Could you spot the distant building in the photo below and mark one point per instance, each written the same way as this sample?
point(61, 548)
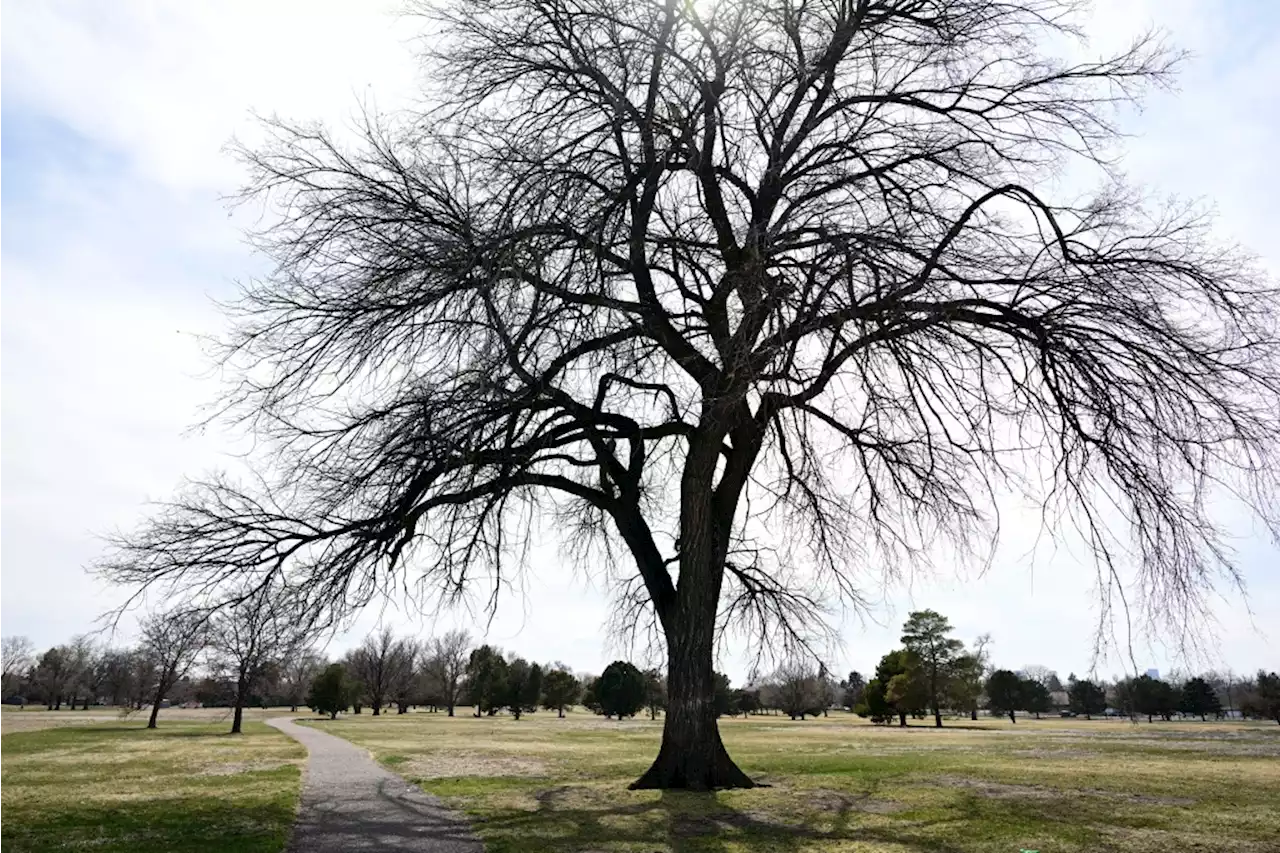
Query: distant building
point(1153, 673)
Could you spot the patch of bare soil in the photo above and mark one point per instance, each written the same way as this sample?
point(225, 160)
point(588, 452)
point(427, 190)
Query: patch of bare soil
point(1003, 791)
point(448, 765)
point(840, 801)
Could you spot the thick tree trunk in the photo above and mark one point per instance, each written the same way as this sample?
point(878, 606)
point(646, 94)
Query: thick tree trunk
point(1012, 718)
point(692, 756)
point(450, 709)
point(561, 713)
point(973, 714)
point(902, 719)
point(937, 719)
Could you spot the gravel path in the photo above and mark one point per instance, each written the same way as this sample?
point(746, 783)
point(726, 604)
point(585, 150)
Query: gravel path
point(351, 803)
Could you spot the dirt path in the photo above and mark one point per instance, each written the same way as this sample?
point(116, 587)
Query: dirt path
point(351, 803)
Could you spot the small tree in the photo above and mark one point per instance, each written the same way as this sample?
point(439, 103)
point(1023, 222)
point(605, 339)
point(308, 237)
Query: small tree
point(298, 669)
point(447, 661)
point(620, 690)
point(925, 634)
point(798, 689)
point(964, 688)
point(723, 696)
point(383, 665)
point(1266, 699)
point(1004, 693)
point(655, 692)
point(560, 689)
point(18, 656)
point(331, 691)
point(1087, 698)
point(1036, 697)
point(487, 679)
point(851, 690)
point(1199, 698)
point(174, 642)
point(523, 686)
point(250, 640)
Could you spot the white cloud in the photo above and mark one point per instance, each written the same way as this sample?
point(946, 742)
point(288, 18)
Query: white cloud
point(109, 278)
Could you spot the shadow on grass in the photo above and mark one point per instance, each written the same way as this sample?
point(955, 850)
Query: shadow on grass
point(689, 822)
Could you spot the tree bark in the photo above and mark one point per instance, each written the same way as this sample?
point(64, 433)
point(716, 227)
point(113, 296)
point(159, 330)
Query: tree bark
point(1012, 718)
point(692, 756)
point(237, 716)
point(973, 714)
point(902, 719)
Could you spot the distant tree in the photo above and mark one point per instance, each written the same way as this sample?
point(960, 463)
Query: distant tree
point(383, 665)
point(1199, 698)
point(1152, 697)
point(798, 689)
point(486, 679)
point(174, 642)
point(1266, 701)
point(53, 676)
point(298, 669)
point(1036, 697)
point(655, 692)
point(447, 659)
point(1086, 698)
point(523, 687)
point(899, 677)
point(925, 634)
point(117, 674)
point(620, 690)
point(331, 691)
point(248, 641)
point(17, 653)
point(851, 690)
point(746, 701)
point(1004, 693)
point(964, 688)
point(590, 696)
point(874, 704)
point(723, 696)
point(560, 689)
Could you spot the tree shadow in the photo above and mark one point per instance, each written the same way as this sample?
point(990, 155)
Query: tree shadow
point(689, 822)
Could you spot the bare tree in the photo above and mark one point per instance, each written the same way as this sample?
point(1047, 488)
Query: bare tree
point(797, 689)
point(447, 660)
point(18, 655)
point(383, 664)
point(249, 640)
point(173, 642)
point(298, 669)
point(708, 285)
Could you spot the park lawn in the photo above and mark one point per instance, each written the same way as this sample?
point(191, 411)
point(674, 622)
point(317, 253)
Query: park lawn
point(185, 786)
point(839, 784)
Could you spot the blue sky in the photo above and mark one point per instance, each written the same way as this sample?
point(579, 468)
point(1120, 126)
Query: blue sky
point(115, 239)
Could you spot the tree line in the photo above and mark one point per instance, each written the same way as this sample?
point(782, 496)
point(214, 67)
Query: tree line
point(251, 657)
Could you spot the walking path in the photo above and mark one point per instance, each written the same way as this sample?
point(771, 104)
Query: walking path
point(351, 803)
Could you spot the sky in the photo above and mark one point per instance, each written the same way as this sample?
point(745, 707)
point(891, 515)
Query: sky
point(116, 241)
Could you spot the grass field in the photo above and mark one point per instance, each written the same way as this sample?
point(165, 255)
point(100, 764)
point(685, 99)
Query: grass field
point(112, 787)
point(840, 784)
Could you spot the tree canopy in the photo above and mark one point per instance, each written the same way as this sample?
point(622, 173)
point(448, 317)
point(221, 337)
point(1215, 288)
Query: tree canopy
point(711, 283)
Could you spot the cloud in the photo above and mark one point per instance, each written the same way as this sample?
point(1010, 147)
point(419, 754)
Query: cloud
point(114, 127)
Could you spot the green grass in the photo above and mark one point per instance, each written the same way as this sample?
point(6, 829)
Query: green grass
point(839, 784)
point(118, 787)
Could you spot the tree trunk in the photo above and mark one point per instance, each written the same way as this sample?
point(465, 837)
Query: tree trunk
point(377, 709)
point(902, 719)
point(237, 716)
point(561, 709)
point(450, 706)
point(155, 710)
point(333, 715)
point(937, 719)
point(1012, 717)
point(293, 709)
point(973, 714)
point(692, 755)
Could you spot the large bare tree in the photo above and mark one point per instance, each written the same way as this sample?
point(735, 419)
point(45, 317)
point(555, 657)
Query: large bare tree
point(742, 297)
point(250, 640)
